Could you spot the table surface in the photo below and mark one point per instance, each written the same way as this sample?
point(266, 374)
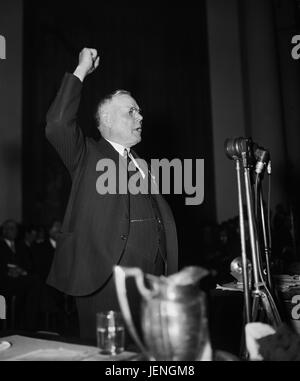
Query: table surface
point(25, 348)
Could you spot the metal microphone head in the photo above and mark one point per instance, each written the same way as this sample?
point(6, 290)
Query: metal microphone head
point(237, 147)
point(236, 269)
point(263, 158)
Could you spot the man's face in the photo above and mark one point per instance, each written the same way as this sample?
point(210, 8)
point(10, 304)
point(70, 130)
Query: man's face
point(30, 236)
point(125, 120)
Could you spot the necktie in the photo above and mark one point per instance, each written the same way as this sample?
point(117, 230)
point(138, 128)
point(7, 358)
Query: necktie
point(126, 155)
point(134, 166)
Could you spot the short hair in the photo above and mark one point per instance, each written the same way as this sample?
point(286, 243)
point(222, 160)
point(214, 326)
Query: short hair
point(5, 223)
point(104, 101)
point(29, 228)
point(9, 221)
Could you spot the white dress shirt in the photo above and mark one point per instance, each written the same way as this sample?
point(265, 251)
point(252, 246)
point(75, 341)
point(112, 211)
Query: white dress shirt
point(52, 243)
point(121, 150)
point(10, 244)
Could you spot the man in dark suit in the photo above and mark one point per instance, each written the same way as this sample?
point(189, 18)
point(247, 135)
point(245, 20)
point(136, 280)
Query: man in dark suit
point(43, 252)
point(26, 245)
point(51, 305)
point(102, 229)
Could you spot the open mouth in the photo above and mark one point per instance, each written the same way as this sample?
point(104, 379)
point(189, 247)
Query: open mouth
point(139, 129)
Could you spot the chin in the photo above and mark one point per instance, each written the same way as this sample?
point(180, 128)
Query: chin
point(136, 142)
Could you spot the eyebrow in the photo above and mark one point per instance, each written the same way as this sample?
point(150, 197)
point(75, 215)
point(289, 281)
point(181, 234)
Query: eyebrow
point(133, 108)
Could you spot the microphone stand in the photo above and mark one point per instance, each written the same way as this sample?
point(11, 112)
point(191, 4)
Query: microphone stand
point(267, 248)
point(252, 231)
point(246, 282)
point(261, 298)
point(256, 292)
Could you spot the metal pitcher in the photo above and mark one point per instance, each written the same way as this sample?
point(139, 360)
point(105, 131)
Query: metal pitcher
point(173, 314)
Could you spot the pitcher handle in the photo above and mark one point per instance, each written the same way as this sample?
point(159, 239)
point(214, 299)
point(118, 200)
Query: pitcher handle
point(120, 274)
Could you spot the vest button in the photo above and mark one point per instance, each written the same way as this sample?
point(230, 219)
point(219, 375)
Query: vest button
point(123, 236)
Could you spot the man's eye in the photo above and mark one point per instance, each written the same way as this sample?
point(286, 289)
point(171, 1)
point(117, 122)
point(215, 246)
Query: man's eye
point(133, 110)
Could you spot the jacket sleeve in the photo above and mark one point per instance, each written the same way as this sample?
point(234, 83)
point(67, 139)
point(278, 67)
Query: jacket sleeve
point(62, 129)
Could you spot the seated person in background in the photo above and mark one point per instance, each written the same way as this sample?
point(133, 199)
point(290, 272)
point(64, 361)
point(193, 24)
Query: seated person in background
point(25, 252)
point(283, 254)
point(15, 280)
point(40, 235)
point(8, 259)
point(222, 248)
point(43, 251)
point(52, 300)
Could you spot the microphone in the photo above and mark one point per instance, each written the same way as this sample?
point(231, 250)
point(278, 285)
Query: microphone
point(236, 147)
point(263, 157)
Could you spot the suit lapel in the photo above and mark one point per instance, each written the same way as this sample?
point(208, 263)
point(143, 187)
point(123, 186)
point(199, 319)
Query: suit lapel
point(108, 151)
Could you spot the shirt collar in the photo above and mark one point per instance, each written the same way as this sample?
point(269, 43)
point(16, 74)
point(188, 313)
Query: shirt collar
point(8, 242)
point(118, 147)
point(52, 242)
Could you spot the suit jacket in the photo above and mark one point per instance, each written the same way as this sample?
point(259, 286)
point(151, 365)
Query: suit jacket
point(6, 257)
point(42, 257)
point(95, 227)
point(24, 256)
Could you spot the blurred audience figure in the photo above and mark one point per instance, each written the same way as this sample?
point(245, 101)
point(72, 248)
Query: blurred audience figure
point(15, 279)
point(222, 247)
point(228, 248)
point(30, 235)
point(282, 239)
point(208, 244)
point(43, 249)
point(25, 257)
point(52, 301)
point(40, 235)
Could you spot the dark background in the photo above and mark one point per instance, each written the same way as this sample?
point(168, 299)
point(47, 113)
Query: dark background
point(159, 54)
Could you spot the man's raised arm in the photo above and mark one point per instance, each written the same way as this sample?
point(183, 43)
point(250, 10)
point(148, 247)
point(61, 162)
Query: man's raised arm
point(62, 129)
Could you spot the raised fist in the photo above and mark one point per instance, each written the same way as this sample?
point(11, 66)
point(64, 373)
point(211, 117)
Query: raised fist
point(88, 62)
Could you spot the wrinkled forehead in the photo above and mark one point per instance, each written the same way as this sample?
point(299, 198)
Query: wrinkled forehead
point(124, 101)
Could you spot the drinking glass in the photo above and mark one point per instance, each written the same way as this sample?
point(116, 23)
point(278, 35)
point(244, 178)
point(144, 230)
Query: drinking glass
point(110, 332)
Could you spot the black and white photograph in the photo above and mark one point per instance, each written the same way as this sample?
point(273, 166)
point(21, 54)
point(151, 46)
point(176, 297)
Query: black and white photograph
point(149, 183)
